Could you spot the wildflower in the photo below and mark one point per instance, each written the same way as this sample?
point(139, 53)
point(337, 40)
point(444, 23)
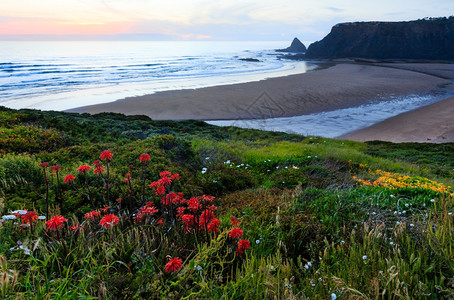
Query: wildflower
point(257, 242)
point(105, 209)
point(109, 220)
point(206, 217)
point(29, 217)
point(44, 165)
point(242, 246)
point(333, 296)
point(165, 181)
point(83, 169)
point(236, 233)
point(188, 220)
point(92, 215)
point(432, 200)
point(9, 217)
point(364, 257)
point(234, 221)
point(175, 176)
point(160, 190)
point(165, 174)
point(160, 222)
point(55, 222)
point(76, 227)
point(69, 178)
point(204, 170)
point(173, 265)
point(214, 225)
point(145, 211)
point(98, 169)
point(106, 155)
point(119, 200)
point(144, 157)
point(55, 168)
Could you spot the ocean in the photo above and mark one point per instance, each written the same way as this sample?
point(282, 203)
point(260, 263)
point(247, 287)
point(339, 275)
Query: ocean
point(64, 75)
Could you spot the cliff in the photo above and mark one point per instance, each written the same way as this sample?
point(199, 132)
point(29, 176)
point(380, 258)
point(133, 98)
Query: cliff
point(296, 46)
point(431, 39)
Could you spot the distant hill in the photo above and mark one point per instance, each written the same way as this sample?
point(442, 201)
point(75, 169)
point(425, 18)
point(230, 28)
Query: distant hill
point(431, 39)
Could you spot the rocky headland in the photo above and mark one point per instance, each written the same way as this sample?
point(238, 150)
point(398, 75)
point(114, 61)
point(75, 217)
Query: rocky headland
point(426, 39)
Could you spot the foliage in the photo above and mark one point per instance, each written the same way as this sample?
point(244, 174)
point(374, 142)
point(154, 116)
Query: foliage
point(325, 218)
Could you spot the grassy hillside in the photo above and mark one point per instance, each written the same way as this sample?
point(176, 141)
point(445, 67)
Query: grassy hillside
point(238, 214)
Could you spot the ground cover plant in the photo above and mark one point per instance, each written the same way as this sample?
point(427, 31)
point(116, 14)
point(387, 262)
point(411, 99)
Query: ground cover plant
point(119, 207)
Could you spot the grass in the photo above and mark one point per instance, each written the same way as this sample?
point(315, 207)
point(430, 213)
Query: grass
point(323, 217)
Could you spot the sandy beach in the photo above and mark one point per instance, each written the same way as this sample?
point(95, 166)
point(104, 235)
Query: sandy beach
point(334, 86)
point(429, 124)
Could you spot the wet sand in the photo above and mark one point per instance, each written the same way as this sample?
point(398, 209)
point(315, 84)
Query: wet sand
point(333, 87)
point(429, 124)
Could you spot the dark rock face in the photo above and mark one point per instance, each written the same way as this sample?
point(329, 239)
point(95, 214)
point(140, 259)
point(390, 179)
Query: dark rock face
point(296, 46)
point(431, 39)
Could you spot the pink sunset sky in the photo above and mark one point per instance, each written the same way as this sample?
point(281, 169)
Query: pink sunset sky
point(202, 19)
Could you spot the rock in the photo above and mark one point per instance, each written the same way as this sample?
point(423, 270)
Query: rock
point(250, 59)
point(296, 46)
point(427, 39)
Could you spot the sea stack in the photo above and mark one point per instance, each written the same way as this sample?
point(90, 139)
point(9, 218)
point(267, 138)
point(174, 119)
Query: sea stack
point(296, 47)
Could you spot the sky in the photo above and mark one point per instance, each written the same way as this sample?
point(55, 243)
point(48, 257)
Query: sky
point(309, 20)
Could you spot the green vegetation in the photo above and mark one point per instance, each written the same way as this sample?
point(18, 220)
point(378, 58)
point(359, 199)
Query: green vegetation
point(293, 217)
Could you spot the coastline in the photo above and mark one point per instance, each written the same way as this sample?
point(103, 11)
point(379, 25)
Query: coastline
point(334, 86)
point(433, 123)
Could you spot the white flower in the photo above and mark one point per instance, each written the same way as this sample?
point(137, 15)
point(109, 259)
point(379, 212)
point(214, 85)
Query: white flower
point(342, 242)
point(391, 243)
point(449, 213)
point(397, 223)
point(227, 162)
point(21, 212)
point(333, 296)
point(257, 242)
point(320, 279)
point(207, 158)
point(9, 217)
point(411, 225)
point(432, 200)
point(306, 267)
point(392, 196)
point(295, 167)
point(215, 181)
point(364, 257)
point(204, 170)
point(41, 217)
point(309, 264)
point(406, 204)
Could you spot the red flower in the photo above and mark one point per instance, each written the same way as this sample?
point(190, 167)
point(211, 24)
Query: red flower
point(214, 225)
point(119, 200)
point(188, 220)
point(242, 246)
point(106, 155)
point(154, 184)
point(55, 222)
point(234, 221)
point(104, 209)
point(145, 211)
point(193, 204)
point(144, 157)
point(206, 218)
point(236, 233)
point(160, 190)
point(76, 227)
point(165, 174)
point(109, 220)
point(83, 168)
point(160, 222)
point(29, 217)
point(173, 265)
point(175, 176)
point(92, 215)
point(44, 165)
point(165, 181)
point(98, 170)
point(55, 168)
point(69, 178)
